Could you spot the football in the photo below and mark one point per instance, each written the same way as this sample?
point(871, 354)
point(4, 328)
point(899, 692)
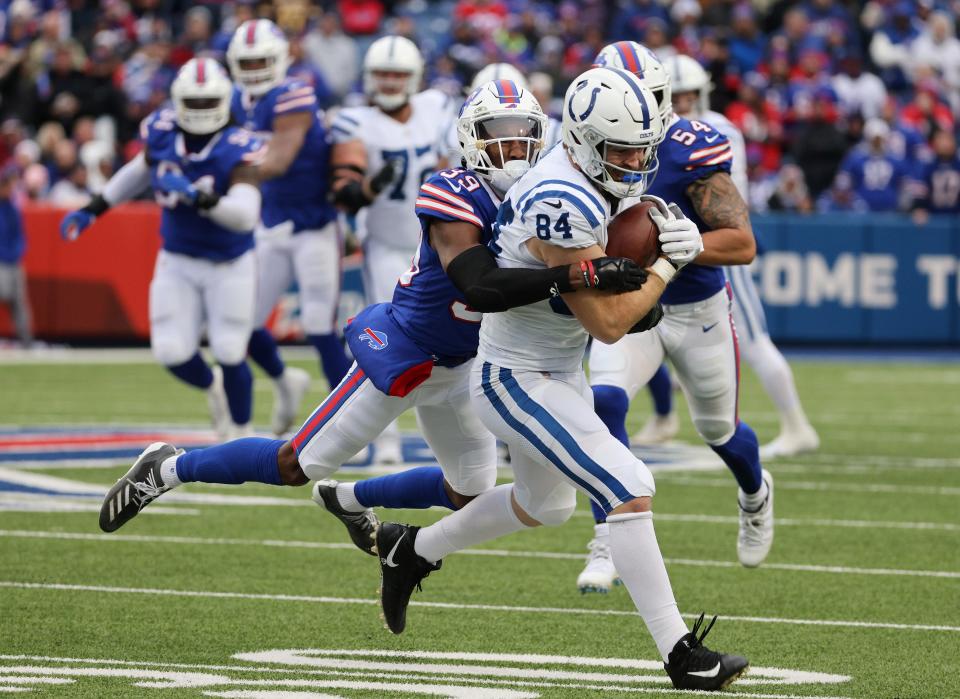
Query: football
point(632, 233)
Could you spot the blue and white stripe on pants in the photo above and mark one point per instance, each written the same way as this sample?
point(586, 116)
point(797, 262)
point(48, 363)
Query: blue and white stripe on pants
point(748, 313)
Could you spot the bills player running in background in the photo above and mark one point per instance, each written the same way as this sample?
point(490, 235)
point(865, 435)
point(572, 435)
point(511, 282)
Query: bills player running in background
point(528, 384)
point(697, 332)
point(691, 99)
point(200, 170)
point(414, 352)
point(297, 239)
point(382, 154)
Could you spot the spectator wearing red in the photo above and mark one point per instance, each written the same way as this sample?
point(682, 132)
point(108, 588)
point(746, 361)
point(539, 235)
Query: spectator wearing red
point(926, 113)
point(361, 17)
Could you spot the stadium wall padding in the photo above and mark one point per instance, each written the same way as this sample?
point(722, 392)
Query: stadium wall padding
point(851, 279)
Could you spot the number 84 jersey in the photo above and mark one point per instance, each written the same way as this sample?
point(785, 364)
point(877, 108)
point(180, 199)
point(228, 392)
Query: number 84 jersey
point(415, 146)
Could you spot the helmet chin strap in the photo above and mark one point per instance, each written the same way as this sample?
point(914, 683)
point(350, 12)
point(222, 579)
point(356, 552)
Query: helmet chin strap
point(503, 178)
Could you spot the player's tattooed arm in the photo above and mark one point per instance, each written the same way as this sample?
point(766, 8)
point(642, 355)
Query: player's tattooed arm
point(728, 239)
point(289, 133)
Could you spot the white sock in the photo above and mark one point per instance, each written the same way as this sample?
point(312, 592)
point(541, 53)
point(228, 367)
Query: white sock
point(751, 502)
point(347, 499)
point(637, 558)
point(488, 516)
point(168, 472)
point(601, 531)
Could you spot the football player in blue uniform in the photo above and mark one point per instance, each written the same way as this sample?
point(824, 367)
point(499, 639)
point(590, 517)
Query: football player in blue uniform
point(298, 239)
point(414, 352)
point(201, 170)
point(697, 332)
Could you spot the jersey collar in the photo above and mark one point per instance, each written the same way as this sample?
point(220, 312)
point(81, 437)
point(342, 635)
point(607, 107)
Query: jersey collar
point(181, 148)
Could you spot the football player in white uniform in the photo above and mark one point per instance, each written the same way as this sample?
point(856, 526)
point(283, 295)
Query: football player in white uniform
point(528, 383)
point(401, 139)
point(297, 238)
point(691, 99)
point(697, 332)
point(202, 171)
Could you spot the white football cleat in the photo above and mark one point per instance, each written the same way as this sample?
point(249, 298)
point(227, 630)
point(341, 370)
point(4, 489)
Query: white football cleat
point(791, 443)
point(387, 448)
point(599, 575)
point(235, 431)
point(756, 529)
point(288, 393)
point(658, 429)
point(217, 404)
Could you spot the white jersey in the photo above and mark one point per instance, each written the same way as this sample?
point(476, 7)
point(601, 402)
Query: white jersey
point(417, 145)
point(738, 166)
point(556, 203)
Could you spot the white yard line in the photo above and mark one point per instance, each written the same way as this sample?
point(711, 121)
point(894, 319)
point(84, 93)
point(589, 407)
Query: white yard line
point(828, 486)
point(211, 594)
point(496, 553)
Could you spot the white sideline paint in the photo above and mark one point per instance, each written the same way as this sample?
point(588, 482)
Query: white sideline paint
point(28, 502)
point(828, 486)
point(499, 553)
point(451, 605)
point(766, 675)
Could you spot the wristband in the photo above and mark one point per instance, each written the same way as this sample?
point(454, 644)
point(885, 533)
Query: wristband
point(589, 275)
point(664, 269)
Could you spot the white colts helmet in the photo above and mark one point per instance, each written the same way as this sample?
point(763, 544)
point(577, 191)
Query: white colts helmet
point(497, 71)
point(201, 96)
point(687, 75)
point(393, 54)
point(608, 108)
point(638, 59)
point(258, 56)
point(500, 112)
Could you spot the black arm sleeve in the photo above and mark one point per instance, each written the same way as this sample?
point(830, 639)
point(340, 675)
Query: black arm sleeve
point(490, 289)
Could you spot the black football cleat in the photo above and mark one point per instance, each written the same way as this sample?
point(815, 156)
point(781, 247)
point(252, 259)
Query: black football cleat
point(401, 570)
point(362, 526)
point(691, 665)
point(140, 486)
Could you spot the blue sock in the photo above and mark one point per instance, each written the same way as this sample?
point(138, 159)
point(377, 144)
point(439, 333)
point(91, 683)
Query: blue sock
point(249, 459)
point(416, 489)
point(741, 455)
point(238, 384)
point(599, 516)
point(333, 360)
point(194, 371)
point(661, 390)
point(264, 351)
point(611, 405)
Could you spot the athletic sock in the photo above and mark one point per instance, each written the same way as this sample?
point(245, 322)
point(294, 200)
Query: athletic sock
point(488, 516)
point(611, 404)
point(661, 391)
point(333, 359)
point(238, 385)
point(168, 472)
point(637, 558)
point(599, 516)
point(239, 461)
point(742, 456)
point(416, 489)
point(348, 498)
point(263, 349)
point(194, 371)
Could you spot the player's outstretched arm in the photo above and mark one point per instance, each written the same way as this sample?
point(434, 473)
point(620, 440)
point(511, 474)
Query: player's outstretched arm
point(606, 316)
point(126, 183)
point(289, 133)
point(728, 239)
point(488, 288)
point(239, 209)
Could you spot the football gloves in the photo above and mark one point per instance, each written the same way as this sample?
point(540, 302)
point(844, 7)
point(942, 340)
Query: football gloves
point(612, 274)
point(75, 223)
point(679, 237)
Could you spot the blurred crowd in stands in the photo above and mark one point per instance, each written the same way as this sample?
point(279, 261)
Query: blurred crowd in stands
point(845, 106)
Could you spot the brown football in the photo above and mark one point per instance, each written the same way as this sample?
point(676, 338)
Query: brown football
point(632, 233)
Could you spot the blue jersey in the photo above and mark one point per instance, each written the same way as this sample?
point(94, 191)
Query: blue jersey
point(183, 228)
point(426, 304)
point(940, 186)
point(691, 151)
point(875, 179)
point(300, 194)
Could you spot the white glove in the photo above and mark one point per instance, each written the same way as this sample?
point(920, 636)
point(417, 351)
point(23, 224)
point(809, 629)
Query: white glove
point(679, 237)
point(658, 202)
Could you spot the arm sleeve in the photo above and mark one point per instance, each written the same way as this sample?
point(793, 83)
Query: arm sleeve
point(491, 289)
point(128, 181)
point(238, 209)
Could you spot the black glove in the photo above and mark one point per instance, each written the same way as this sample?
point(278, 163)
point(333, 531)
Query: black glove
point(384, 177)
point(612, 274)
point(649, 321)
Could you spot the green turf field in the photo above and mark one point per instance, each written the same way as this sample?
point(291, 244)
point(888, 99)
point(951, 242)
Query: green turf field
point(860, 596)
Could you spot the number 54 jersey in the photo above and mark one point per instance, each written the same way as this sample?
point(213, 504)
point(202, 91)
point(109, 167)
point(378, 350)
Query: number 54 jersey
point(426, 305)
point(416, 147)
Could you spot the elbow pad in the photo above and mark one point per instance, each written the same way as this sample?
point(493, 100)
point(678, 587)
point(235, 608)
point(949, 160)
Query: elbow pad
point(351, 197)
